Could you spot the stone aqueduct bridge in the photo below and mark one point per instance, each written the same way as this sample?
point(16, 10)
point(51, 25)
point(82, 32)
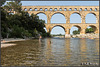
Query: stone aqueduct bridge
point(49, 11)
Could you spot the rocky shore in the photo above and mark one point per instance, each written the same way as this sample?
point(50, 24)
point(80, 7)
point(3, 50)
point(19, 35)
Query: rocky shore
point(88, 35)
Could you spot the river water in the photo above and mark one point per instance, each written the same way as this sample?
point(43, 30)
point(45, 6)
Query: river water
point(52, 52)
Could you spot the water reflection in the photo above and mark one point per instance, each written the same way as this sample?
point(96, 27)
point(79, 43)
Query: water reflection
point(52, 52)
point(83, 50)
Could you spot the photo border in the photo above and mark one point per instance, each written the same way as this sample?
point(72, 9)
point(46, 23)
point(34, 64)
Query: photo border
point(52, 66)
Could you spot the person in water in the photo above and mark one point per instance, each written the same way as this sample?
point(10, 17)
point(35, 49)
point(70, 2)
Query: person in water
point(40, 37)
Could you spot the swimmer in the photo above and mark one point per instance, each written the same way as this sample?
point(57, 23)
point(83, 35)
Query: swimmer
point(40, 38)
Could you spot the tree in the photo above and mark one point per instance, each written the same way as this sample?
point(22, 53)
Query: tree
point(21, 24)
point(19, 32)
point(16, 6)
point(76, 32)
point(4, 24)
point(89, 30)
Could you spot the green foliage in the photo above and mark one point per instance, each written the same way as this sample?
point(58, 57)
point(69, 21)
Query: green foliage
point(20, 25)
point(16, 5)
point(76, 32)
point(58, 35)
point(19, 32)
point(89, 30)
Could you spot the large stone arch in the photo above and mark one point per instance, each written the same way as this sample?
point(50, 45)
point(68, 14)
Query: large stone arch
point(40, 12)
point(78, 26)
point(52, 14)
point(44, 16)
point(59, 26)
point(77, 14)
point(93, 14)
point(58, 13)
point(95, 28)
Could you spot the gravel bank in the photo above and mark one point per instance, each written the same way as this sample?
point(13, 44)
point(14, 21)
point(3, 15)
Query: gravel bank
point(4, 42)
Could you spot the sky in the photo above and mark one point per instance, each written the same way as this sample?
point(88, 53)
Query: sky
point(59, 18)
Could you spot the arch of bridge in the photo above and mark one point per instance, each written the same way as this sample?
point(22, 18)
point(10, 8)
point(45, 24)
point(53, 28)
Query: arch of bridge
point(95, 14)
point(59, 26)
point(95, 28)
point(67, 27)
point(40, 12)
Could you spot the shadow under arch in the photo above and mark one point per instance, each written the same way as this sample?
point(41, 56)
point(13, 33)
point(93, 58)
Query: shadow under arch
point(58, 13)
point(41, 13)
point(76, 13)
point(92, 13)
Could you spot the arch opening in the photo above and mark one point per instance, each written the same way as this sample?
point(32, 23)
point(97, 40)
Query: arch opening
point(85, 9)
point(90, 18)
point(46, 9)
point(42, 16)
point(90, 9)
point(50, 9)
point(95, 9)
point(55, 9)
point(75, 9)
point(25, 9)
point(80, 9)
point(91, 29)
point(75, 30)
point(40, 9)
point(58, 18)
point(70, 9)
point(30, 9)
point(58, 31)
point(35, 9)
point(65, 9)
point(60, 9)
point(75, 18)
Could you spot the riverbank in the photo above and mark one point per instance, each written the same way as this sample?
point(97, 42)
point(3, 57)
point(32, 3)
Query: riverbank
point(88, 35)
point(5, 42)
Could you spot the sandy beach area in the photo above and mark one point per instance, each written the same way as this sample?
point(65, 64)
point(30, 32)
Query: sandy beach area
point(4, 42)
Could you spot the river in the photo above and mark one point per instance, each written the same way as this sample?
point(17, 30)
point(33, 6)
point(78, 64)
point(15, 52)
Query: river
point(52, 52)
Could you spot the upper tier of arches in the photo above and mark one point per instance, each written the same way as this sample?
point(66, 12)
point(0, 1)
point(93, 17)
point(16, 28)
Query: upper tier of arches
point(60, 8)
